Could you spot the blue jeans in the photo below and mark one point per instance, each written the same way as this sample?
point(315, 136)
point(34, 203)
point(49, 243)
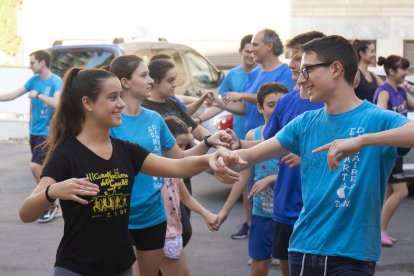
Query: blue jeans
point(309, 264)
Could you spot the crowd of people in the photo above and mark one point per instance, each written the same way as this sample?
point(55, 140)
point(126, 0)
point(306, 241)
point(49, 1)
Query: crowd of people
point(315, 143)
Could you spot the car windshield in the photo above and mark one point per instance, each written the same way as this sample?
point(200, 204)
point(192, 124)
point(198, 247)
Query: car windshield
point(202, 71)
point(63, 60)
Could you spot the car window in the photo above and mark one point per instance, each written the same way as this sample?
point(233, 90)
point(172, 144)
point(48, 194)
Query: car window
point(63, 60)
point(147, 54)
point(203, 73)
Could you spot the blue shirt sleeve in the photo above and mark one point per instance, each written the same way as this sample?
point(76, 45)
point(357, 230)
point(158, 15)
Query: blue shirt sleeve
point(288, 136)
point(167, 139)
point(225, 85)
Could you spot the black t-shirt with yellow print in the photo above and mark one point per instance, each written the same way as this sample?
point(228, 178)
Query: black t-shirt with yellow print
point(95, 239)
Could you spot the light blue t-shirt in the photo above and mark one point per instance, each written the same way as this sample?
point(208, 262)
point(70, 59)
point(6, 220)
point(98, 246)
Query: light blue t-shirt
point(149, 130)
point(263, 202)
point(341, 214)
point(235, 81)
point(257, 77)
point(42, 113)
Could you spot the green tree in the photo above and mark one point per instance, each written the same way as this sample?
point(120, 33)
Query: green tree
point(9, 40)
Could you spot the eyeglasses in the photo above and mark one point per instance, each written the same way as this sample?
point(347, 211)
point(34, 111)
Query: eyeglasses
point(304, 71)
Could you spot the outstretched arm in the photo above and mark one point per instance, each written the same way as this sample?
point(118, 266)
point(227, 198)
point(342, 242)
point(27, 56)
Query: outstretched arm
point(235, 193)
point(193, 204)
point(339, 149)
point(69, 189)
point(52, 101)
point(189, 166)
point(264, 151)
point(12, 95)
point(195, 105)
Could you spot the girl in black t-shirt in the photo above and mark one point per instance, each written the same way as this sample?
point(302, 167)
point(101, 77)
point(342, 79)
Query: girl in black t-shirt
point(163, 72)
point(92, 175)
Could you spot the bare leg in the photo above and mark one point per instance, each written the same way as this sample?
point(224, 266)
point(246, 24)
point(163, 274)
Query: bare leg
point(175, 267)
point(260, 267)
point(149, 261)
point(36, 171)
point(247, 208)
point(135, 268)
point(400, 192)
point(284, 267)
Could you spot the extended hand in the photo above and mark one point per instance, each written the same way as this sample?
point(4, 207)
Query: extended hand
point(212, 221)
point(71, 189)
point(339, 149)
point(232, 97)
point(220, 163)
point(258, 187)
point(32, 94)
point(291, 160)
point(221, 138)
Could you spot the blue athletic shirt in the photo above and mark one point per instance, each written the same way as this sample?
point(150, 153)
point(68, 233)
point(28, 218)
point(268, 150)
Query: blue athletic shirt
point(42, 113)
point(341, 213)
point(263, 202)
point(257, 77)
point(149, 130)
point(235, 81)
point(287, 192)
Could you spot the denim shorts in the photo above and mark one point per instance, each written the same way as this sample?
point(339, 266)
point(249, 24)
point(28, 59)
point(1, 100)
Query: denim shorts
point(38, 150)
point(313, 265)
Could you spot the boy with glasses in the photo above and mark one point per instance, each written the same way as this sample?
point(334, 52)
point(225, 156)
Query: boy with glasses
point(338, 230)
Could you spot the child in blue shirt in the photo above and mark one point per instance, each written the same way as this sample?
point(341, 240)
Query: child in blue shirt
point(265, 174)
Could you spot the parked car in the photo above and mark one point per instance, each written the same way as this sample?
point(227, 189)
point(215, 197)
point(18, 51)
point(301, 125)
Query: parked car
point(195, 72)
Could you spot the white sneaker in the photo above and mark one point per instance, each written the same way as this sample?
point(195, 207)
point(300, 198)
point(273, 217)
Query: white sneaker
point(274, 262)
point(48, 215)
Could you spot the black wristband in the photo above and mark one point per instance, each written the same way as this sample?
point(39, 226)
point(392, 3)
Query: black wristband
point(51, 200)
point(206, 142)
point(37, 95)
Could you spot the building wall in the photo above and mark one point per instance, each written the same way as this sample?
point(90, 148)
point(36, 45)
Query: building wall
point(386, 21)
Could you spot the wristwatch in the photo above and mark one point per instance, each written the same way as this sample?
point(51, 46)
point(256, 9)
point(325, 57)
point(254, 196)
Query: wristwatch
point(206, 142)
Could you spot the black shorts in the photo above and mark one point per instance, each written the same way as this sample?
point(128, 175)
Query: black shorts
point(397, 174)
point(149, 238)
point(38, 150)
point(281, 237)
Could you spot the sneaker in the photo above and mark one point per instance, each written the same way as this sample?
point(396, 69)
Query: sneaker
point(58, 213)
point(275, 262)
point(48, 215)
point(243, 232)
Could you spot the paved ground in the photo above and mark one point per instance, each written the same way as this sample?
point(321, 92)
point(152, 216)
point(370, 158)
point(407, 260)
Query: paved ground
point(29, 249)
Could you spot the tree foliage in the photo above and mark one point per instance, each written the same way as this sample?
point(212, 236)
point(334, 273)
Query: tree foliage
point(9, 40)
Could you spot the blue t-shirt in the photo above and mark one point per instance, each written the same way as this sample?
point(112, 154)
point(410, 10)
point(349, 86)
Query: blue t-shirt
point(287, 192)
point(341, 213)
point(149, 130)
point(235, 81)
point(258, 77)
point(42, 113)
point(263, 202)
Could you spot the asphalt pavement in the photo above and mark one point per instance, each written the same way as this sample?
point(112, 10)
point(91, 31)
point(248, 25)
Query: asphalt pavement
point(29, 249)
